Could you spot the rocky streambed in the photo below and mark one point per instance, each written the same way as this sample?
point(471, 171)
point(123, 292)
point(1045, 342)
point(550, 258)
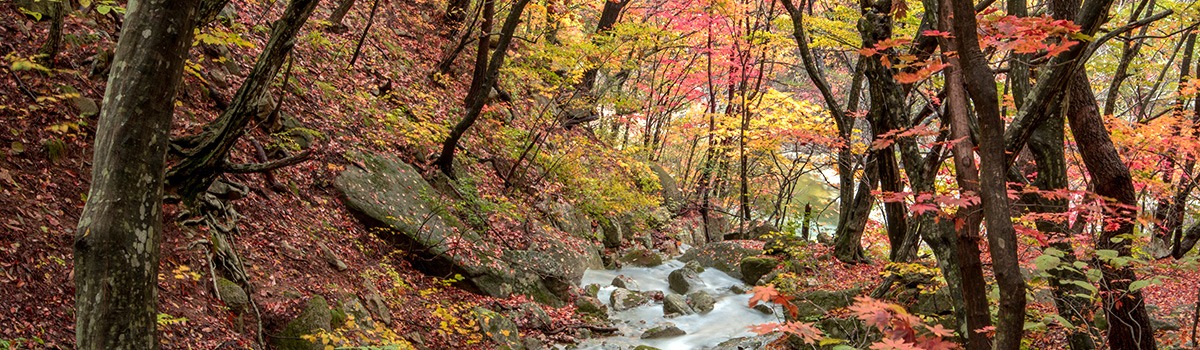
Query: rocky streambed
point(673, 306)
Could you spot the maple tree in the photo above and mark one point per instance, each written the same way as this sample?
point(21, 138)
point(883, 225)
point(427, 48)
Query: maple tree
point(1036, 159)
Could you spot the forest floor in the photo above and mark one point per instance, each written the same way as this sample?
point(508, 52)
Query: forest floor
point(45, 157)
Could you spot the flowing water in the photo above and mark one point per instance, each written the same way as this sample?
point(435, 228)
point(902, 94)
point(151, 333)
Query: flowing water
point(730, 318)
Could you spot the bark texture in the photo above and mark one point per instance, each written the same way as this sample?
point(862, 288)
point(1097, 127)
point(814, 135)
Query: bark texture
point(116, 242)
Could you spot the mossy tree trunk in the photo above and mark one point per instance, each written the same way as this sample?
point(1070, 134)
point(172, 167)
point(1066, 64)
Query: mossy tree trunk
point(116, 242)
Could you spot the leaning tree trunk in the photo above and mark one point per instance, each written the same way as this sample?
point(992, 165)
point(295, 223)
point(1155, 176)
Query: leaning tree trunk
point(207, 159)
point(116, 242)
point(1002, 239)
point(335, 18)
point(477, 97)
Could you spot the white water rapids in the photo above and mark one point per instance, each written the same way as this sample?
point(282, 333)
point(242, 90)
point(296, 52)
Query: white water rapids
point(730, 318)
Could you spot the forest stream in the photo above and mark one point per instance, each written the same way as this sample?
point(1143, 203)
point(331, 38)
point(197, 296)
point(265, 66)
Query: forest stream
point(731, 317)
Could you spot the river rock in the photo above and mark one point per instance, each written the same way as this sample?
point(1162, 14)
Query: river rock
point(623, 299)
point(663, 330)
point(748, 343)
point(592, 290)
point(622, 282)
point(675, 305)
point(701, 301)
point(764, 308)
point(737, 289)
point(684, 280)
point(642, 257)
point(724, 256)
point(591, 306)
point(754, 268)
point(694, 266)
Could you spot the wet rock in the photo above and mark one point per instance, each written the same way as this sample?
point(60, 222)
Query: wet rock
point(737, 289)
point(694, 266)
point(642, 257)
point(748, 343)
point(764, 308)
point(591, 306)
point(623, 299)
point(592, 290)
point(675, 305)
point(754, 268)
point(663, 330)
point(683, 281)
point(645, 347)
point(622, 282)
point(701, 301)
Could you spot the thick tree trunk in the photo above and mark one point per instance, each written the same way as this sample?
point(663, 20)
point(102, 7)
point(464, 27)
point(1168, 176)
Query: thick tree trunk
point(204, 162)
point(847, 241)
point(1129, 325)
point(116, 242)
point(976, 314)
point(477, 98)
point(1002, 239)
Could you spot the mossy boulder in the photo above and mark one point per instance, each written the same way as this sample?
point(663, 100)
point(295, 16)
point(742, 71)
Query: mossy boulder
point(591, 306)
point(499, 329)
point(724, 256)
point(233, 295)
point(817, 303)
point(642, 257)
point(316, 317)
point(530, 315)
point(754, 268)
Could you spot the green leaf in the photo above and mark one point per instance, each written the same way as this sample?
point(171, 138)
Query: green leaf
point(1139, 284)
point(1046, 262)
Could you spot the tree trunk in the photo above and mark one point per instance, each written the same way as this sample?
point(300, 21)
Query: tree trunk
point(53, 44)
point(1129, 325)
point(477, 97)
point(204, 162)
point(1002, 240)
point(335, 18)
point(116, 241)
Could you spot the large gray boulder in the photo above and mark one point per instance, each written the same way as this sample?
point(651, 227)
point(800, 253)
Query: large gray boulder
point(684, 280)
point(392, 198)
point(754, 268)
point(724, 256)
